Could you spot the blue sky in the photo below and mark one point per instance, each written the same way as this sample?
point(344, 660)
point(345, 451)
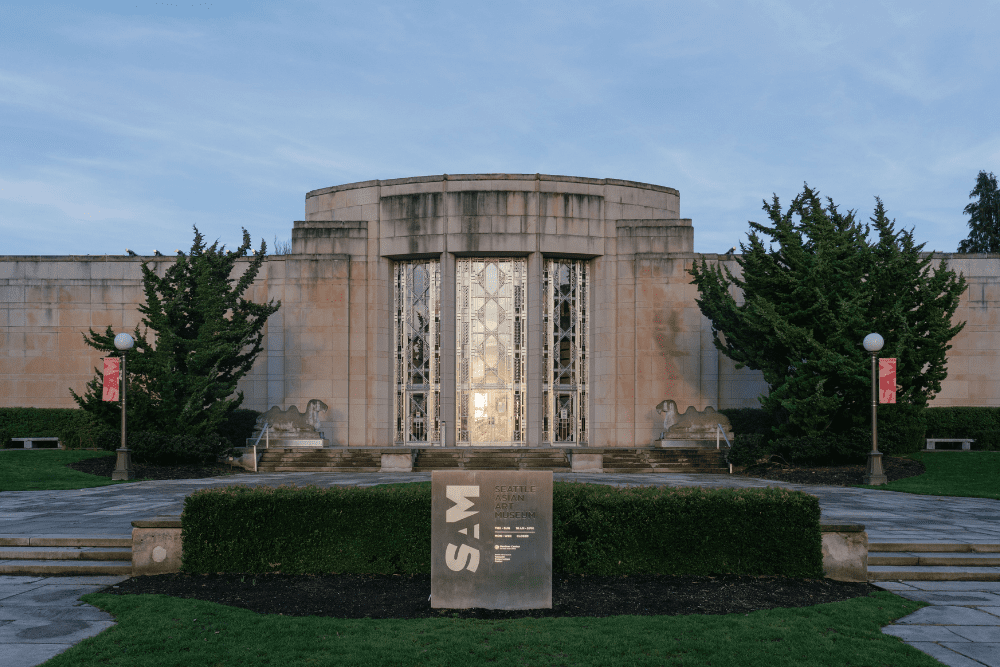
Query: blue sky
point(122, 124)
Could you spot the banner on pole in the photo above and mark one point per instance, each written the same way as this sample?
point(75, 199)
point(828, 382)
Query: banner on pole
point(886, 380)
point(110, 379)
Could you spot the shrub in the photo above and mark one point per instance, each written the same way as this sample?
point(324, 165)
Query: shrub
point(238, 426)
point(596, 529)
point(74, 428)
point(751, 420)
point(980, 423)
point(901, 429)
point(748, 449)
point(850, 446)
point(161, 449)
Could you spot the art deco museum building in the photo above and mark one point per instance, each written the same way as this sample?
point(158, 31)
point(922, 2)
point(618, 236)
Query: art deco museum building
point(472, 310)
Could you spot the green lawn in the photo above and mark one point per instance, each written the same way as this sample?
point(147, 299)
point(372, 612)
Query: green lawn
point(160, 631)
point(964, 474)
point(46, 470)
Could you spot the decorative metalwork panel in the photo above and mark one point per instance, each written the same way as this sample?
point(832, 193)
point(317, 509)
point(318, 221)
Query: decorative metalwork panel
point(417, 350)
point(565, 409)
point(491, 317)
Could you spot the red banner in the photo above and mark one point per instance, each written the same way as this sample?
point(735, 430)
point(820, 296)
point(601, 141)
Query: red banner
point(886, 380)
point(110, 378)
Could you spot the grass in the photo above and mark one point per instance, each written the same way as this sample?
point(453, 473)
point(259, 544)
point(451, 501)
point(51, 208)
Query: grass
point(45, 470)
point(961, 474)
point(160, 631)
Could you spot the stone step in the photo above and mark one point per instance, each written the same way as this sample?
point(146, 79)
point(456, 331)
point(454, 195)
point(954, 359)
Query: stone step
point(933, 561)
point(64, 553)
point(65, 541)
point(317, 468)
point(935, 547)
point(49, 555)
point(44, 567)
point(893, 573)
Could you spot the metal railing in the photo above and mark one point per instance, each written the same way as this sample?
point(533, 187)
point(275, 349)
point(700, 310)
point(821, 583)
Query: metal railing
point(720, 431)
point(264, 433)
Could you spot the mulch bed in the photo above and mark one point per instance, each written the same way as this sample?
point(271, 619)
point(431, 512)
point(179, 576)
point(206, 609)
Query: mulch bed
point(396, 596)
point(103, 467)
point(851, 475)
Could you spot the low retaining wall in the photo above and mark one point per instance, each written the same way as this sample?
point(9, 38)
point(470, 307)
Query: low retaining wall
point(157, 548)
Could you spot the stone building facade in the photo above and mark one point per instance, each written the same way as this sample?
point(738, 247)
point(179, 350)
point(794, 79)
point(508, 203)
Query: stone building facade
point(486, 309)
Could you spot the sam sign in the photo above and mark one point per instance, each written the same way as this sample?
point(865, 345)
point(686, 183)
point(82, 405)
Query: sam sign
point(886, 380)
point(491, 539)
point(110, 392)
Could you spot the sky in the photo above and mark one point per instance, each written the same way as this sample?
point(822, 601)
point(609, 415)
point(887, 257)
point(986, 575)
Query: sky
point(123, 124)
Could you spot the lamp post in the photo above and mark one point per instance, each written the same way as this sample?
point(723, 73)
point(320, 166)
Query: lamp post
point(874, 475)
point(123, 466)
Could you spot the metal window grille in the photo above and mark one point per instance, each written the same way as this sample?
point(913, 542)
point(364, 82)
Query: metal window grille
point(417, 351)
point(565, 409)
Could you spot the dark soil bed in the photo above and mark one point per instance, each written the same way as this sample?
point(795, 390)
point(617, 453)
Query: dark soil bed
point(849, 475)
point(104, 465)
point(395, 596)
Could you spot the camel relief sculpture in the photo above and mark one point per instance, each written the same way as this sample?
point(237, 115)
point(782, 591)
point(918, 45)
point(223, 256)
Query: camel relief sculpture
point(291, 424)
point(693, 424)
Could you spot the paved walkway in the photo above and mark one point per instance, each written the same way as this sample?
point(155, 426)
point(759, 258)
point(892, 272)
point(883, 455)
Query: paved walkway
point(32, 624)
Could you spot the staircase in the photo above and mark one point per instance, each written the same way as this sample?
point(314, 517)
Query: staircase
point(676, 460)
point(895, 561)
point(491, 459)
point(320, 460)
point(48, 556)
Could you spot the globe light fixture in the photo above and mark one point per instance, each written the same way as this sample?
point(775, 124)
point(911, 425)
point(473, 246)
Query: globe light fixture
point(872, 342)
point(124, 342)
point(874, 475)
point(123, 466)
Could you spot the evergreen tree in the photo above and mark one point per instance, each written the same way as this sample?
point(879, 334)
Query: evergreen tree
point(984, 216)
point(205, 337)
point(809, 302)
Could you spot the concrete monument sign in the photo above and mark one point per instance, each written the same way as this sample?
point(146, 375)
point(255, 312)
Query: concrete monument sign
point(491, 539)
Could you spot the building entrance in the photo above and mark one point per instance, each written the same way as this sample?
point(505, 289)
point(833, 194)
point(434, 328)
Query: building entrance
point(491, 350)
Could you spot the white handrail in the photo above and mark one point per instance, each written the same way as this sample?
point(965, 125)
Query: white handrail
point(718, 430)
point(265, 433)
point(262, 433)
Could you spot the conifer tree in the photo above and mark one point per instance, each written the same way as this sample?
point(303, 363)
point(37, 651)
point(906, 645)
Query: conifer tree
point(984, 216)
point(199, 337)
point(809, 298)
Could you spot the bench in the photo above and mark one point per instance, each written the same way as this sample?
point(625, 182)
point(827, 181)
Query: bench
point(29, 443)
point(966, 442)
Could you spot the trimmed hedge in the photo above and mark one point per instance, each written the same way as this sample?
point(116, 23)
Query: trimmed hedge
point(902, 429)
point(75, 428)
point(981, 424)
point(597, 529)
